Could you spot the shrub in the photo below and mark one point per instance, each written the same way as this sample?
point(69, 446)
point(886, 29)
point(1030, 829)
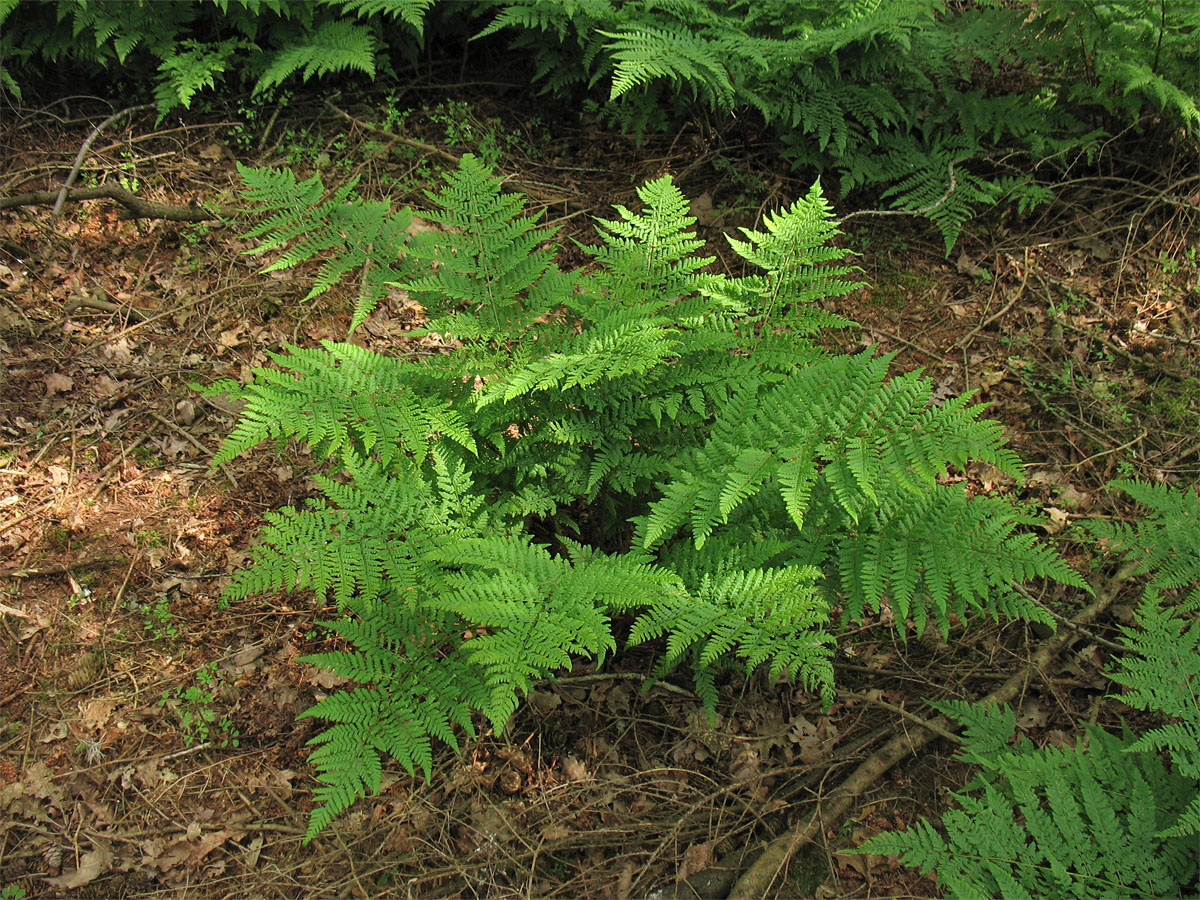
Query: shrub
point(918, 100)
point(197, 44)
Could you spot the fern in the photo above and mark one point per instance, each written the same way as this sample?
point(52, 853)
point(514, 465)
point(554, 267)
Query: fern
point(755, 616)
point(188, 47)
point(1165, 544)
point(604, 411)
point(355, 236)
point(1055, 823)
point(1107, 818)
point(885, 94)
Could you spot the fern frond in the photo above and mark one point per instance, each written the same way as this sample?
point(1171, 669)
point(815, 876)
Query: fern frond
point(646, 54)
point(489, 257)
point(1057, 824)
point(353, 236)
point(754, 616)
point(346, 400)
point(332, 46)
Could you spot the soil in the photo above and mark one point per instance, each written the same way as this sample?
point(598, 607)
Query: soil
point(149, 744)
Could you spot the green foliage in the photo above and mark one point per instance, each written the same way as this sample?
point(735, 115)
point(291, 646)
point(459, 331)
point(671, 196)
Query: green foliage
point(639, 438)
point(352, 236)
point(195, 707)
point(1056, 823)
point(1108, 817)
point(923, 100)
point(196, 44)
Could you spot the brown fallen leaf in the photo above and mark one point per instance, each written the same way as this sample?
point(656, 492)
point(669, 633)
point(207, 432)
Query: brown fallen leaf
point(91, 866)
point(58, 383)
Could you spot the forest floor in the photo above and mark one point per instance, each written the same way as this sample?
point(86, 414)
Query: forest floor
point(149, 745)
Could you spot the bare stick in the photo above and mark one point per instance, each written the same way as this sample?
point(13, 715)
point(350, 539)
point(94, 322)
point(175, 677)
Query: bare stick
point(757, 880)
point(62, 194)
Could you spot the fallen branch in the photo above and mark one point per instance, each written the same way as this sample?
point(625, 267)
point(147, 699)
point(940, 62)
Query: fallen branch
point(135, 206)
point(82, 154)
point(90, 301)
point(757, 880)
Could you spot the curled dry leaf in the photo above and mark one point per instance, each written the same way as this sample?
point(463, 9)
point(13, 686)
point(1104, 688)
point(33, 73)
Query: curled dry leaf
point(92, 865)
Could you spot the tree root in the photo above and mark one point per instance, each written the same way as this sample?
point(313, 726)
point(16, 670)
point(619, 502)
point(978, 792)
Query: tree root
point(757, 880)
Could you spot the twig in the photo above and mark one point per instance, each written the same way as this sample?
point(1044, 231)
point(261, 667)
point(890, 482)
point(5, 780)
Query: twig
point(757, 880)
point(1063, 620)
point(194, 442)
point(79, 158)
point(964, 341)
point(911, 212)
point(60, 569)
point(901, 711)
point(89, 301)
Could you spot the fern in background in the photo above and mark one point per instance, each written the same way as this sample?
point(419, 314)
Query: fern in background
point(196, 44)
point(642, 438)
point(902, 97)
point(1107, 817)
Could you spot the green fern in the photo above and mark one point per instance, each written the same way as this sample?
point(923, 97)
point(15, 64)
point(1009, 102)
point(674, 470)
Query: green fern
point(261, 42)
point(756, 616)
point(604, 411)
point(353, 236)
point(1164, 544)
point(1163, 673)
point(1106, 818)
point(1054, 823)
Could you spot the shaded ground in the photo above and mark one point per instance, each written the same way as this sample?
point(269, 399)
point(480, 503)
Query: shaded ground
point(148, 740)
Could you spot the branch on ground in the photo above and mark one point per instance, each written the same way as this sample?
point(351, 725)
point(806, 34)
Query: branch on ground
point(135, 207)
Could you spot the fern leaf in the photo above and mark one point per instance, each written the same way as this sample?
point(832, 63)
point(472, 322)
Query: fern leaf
point(333, 46)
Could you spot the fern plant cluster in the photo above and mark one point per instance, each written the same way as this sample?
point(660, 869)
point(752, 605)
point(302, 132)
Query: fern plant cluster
point(1116, 815)
point(911, 99)
point(916, 101)
point(192, 45)
point(640, 439)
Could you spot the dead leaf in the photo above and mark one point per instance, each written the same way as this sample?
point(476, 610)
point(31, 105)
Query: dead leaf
point(94, 713)
point(625, 882)
point(966, 267)
point(91, 866)
point(696, 858)
point(555, 831)
point(253, 849)
point(574, 769)
point(58, 384)
point(1031, 716)
point(327, 680)
point(1058, 520)
point(119, 351)
point(247, 655)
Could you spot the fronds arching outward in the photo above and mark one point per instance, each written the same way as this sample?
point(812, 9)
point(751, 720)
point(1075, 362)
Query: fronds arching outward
point(367, 238)
point(682, 450)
